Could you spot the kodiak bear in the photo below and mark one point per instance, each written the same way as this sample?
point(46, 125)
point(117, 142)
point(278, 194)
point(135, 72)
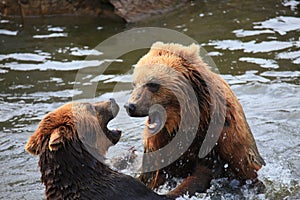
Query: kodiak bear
point(196, 128)
point(71, 143)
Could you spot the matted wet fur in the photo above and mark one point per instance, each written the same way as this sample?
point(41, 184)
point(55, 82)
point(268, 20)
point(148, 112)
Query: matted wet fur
point(71, 143)
point(166, 76)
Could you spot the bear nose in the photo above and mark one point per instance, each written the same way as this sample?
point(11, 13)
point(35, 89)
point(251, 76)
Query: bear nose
point(112, 100)
point(130, 108)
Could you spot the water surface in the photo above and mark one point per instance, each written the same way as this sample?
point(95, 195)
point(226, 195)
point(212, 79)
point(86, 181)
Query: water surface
point(255, 45)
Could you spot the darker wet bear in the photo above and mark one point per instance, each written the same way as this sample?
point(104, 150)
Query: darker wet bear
point(71, 143)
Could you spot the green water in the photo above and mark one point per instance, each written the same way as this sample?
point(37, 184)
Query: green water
point(255, 45)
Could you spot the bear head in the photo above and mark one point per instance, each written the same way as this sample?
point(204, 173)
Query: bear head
point(76, 122)
point(165, 87)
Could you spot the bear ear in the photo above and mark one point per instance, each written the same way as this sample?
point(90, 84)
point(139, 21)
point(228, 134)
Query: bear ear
point(33, 145)
point(56, 140)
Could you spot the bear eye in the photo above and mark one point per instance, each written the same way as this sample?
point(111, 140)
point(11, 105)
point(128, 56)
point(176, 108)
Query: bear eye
point(153, 87)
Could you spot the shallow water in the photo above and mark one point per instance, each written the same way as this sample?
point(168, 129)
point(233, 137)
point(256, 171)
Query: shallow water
point(255, 45)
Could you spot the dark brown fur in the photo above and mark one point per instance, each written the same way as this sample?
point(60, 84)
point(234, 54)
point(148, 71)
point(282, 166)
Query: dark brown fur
point(174, 67)
point(71, 142)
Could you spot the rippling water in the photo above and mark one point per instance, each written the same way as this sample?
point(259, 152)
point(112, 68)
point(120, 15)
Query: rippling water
point(255, 45)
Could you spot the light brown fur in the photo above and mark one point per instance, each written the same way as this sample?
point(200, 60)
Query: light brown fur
point(181, 73)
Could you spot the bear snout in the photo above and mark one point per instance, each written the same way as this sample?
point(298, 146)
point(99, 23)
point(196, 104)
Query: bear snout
point(114, 107)
point(107, 109)
point(130, 108)
point(137, 110)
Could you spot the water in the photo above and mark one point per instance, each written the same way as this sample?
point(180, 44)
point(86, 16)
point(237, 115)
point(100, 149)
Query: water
point(255, 45)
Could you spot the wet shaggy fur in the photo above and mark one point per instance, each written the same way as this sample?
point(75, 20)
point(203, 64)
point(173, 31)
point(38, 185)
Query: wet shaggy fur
point(71, 143)
point(200, 105)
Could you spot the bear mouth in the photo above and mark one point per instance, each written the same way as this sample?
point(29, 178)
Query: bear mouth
point(105, 116)
point(154, 123)
point(113, 135)
point(156, 119)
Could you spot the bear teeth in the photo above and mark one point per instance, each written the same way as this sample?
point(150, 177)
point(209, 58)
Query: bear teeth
point(152, 126)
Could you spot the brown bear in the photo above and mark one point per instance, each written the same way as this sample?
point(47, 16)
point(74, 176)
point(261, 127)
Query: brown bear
point(196, 128)
point(71, 143)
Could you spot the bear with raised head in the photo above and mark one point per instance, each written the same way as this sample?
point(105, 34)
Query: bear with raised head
point(71, 142)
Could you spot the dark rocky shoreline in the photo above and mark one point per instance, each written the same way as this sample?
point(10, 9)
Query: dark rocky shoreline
point(126, 10)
